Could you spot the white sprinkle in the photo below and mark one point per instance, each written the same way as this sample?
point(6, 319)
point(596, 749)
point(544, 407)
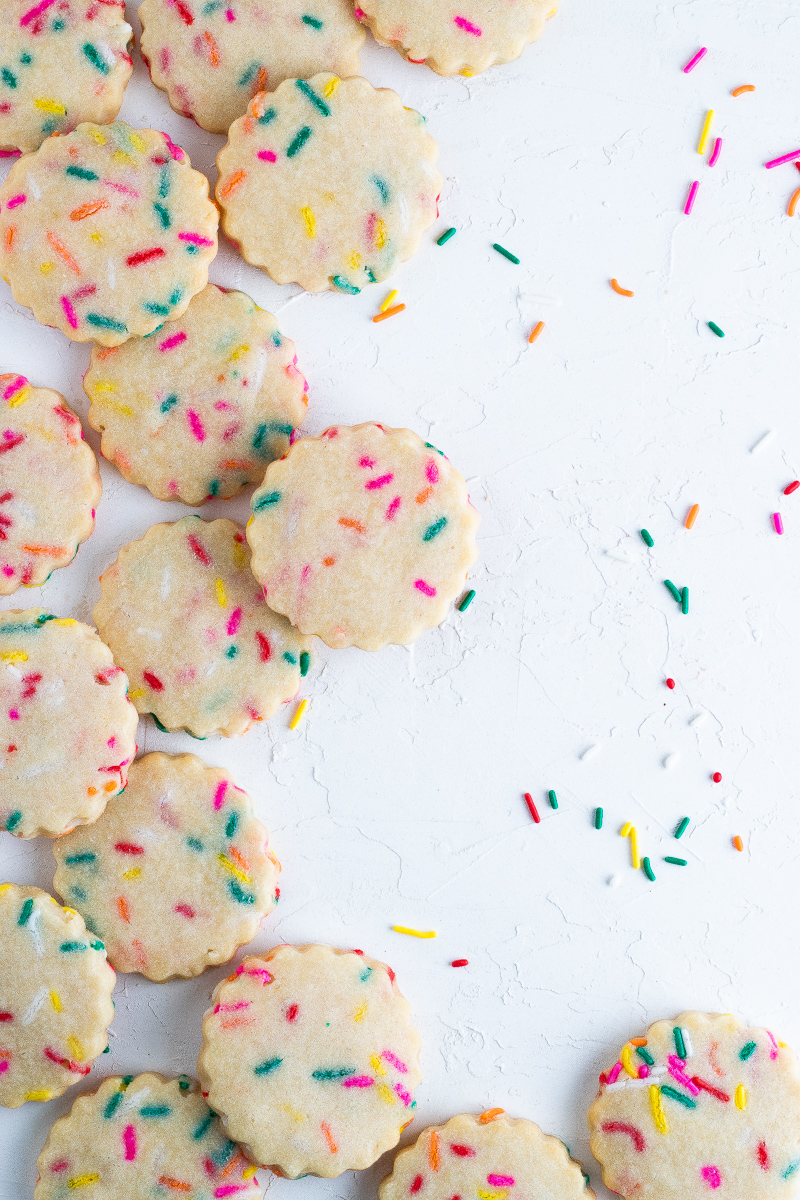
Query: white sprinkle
point(687, 1042)
point(33, 928)
point(671, 760)
point(591, 751)
point(614, 880)
point(628, 1083)
point(762, 441)
point(619, 554)
point(699, 719)
point(35, 1004)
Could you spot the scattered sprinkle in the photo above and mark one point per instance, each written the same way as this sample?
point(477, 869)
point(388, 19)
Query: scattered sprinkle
point(466, 600)
point(684, 600)
point(445, 237)
point(553, 798)
point(537, 329)
point(671, 760)
point(691, 516)
point(591, 751)
point(676, 862)
point(762, 441)
point(784, 158)
point(712, 162)
point(670, 684)
point(792, 207)
point(738, 843)
point(792, 487)
point(598, 818)
point(621, 291)
point(388, 301)
point(717, 777)
point(460, 962)
point(298, 714)
point(420, 933)
point(532, 807)
point(692, 63)
point(777, 521)
point(712, 325)
point(745, 87)
point(505, 253)
point(648, 870)
point(673, 591)
point(390, 312)
point(689, 205)
point(646, 538)
point(682, 827)
point(701, 145)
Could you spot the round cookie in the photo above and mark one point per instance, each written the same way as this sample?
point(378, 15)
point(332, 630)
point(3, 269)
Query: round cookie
point(175, 876)
point(362, 536)
point(699, 1104)
point(204, 419)
point(140, 1138)
point(211, 58)
point(182, 611)
point(107, 232)
point(67, 730)
point(49, 484)
point(311, 1060)
point(328, 183)
point(490, 1156)
point(460, 39)
point(55, 997)
point(60, 64)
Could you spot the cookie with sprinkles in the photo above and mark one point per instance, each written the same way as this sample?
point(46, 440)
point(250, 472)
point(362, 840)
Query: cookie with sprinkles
point(55, 996)
point(67, 728)
point(183, 614)
point(460, 39)
point(363, 536)
point(61, 62)
point(212, 56)
point(177, 875)
point(700, 1104)
point(49, 484)
point(142, 1137)
point(328, 182)
point(491, 1156)
point(106, 233)
point(311, 1060)
point(201, 408)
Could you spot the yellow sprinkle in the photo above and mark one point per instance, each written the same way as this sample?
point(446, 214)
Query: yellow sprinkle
point(64, 621)
point(360, 1012)
point(293, 1113)
point(4, 888)
point(76, 1049)
point(387, 302)
point(466, 71)
point(330, 87)
point(221, 597)
point(121, 157)
point(234, 870)
point(238, 352)
point(249, 1172)
point(135, 695)
point(97, 237)
point(385, 1092)
point(310, 220)
point(134, 873)
point(298, 714)
point(380, 234)
point(82, 1180)
point(701, 145)
point(740, 1096)
point(354, 261)
point(43, 1095)
point(104, 385)
point(625, 1058)
point(13, 656)
point(96, 136)
point(45, 267)
point(20, 398)
point(71, 912)
point(498, 1195)
point(239, 554)
point(139, 143)
point(657, 1109)
point(374, 1060)
point(626, 828)
point(51, 106)
point(414, 932)
point(122, 409)
point(55, 1000)
point(635, 861)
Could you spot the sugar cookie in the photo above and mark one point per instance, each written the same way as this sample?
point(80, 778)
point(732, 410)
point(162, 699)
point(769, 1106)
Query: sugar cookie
point(49, 484)
point(107, 232)
point(463, 39)
point(141, 1138)
point(60, 64)
point(67, 730)
point(182, 612)
point(55, 997)
point(699, 1104)
point(490, 1156)
point(362, 536)
point(177, 875)
point(328, 183)
point(310, 1058)
point(205, 418)
point(210, 58)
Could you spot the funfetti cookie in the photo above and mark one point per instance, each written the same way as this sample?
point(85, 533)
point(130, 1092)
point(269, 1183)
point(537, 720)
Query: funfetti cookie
point(456, 39)
point(106, 233)
point(490, 1156)
point(183, 614)
point(700, 1106)
point(363, 536)
point(141, 1138)
point(311, 1060)
point(177, 875)
point(67, 729)
point(199, 409)
point(49, 484)
point(211, 58)
point(328, 182)
point(55, 997)
point(60, 63)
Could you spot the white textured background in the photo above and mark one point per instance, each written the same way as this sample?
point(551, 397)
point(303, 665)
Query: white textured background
point(398, 800)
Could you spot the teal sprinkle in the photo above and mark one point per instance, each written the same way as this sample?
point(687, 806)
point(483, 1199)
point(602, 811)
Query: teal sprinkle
point(679, 832)
point(316, 100)
point(230, 828)
point(160, 310)
point(676, 862)
point(164, 182)
point(744, 1053)
point(445, 237)
point(163, 216)
point(112, 1105)
point(176, 296)
point(86, 856)
point(191, 248)
point(169, 403)
point(433, 529)
point(153, 332)
point(126, 1081)
point(648, 870)
point(792, 1167)
point(646, 538)
point(69, 947)
point(341, 283)
point(213, 487)
point(221, 1156)
point(25, 59)
point(431, 446)
point(184, 1083)
point(684, 600)
point(333, 1073)
point(680, 1045)
point(81, 173)
point(77, 893)
point(194, 843)
point(553, 798)
point(97, 945)
point(100, 321)
point(277, 340)
point(305, 662)
point(50, 125)
point(505, 253)
point(312, 21)
point(382, 187)
point(163, 728)
point(238, 894)
point(232, 651)
point(155, 1110)
point(466, 600)
point(25, 912)
point(13, 820)
point(265, 501)
point(211, 7)
point(95, 58)
point(644, 1053)
point(712, 325)
point(202, 1129)
point(370, 275)
point(267, 1067)
point(299, 139)
point(57, 26)
point(666, 1090)
point(673, 591)
point(258, 440)
point(268, 115)
point(8, 77)
point(290, 658)
point(365, 974)
point(107, 1050)
point(23, 627)
point(248, 74)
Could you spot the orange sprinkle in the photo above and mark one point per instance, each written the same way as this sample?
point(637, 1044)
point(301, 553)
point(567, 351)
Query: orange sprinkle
point(175, 1184)
point(55, 551)
point(235, 464)
point(63, 253)
point(738, 843)
point(110, 786)
point(239, 858)
point(141, 957)
point(328, 562)
point(213, 48)
point(490, 1115)
point(326, 1129)
point(638, 1041)
point(105, 351)
point(390, 312)
point(261, 80)
point(87, 210)
point(11, 233)
point(237, 1158)
point(91, 791)
point(537, 329)
point(424, 495)
point(621, 291)
point(232, 184)
point(433, 1150)
point(124, 911)
point(746, 87)
point(691, 516)
point(349, 523)
point(239, 1022)
point(793, 203)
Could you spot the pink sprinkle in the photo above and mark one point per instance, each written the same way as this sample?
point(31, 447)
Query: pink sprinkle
point(692, 63)
point(195, 238)
point(360, 14)
point(120, 187)
point(219, 795)
point(261, 972)
point(380, 482)
point(171, 342)
point(35, 12)
point(467, 26)
point(784, 158)
point(676, 1070)
point(174, 150)
point(711, 1176)
point(88, 290)
point(424, 587)
point(229, 1189)
point(500, 1180)
point(395, 1062)
point(613, 1074)
point(129, 1141)
point(403, 1094)
point(231, 1007)
point(15, 386)
point(267, 156)
point(10, 153)
point(432, 472)
point(61, 1165)
point(644, 1071)
point(366, 462)
point(393, 507)
point(195, 424)
point(69, 312)
point(359, 1081)
point(3, 1067)
point(230, 15)
point(233, 623)
point(715, 152)
point(15, 201)
point(774, 1051)
point(777, 521)
point(690, 198)
point(13, 714)
point(165, 58)
point(185, 910)
point(8, 571)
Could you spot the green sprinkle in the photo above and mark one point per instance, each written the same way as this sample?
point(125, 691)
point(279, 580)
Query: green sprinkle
point(666, 1090)
point(165, 181)
point(316, 100)
point(680, 1045)
point(169, 403)
point(26, 911)
point(268, 115)
point(673, 591)
point(13, 820)
point(792, 1167)
point(95, 58)
point(333, 1073)
point(98, 945)
point(230, 828)
point(715, 329)
point(241, 896)
point(598, 818)
point(8, 77)
point(265, 501)
point(505, 253)
point(553, 798)
point(127, 1080)
point(81, 173)
point(267, 1067)
point(433, 529)
point(648, 870)
point(341, 283)
point(213, 487)
point(312, 21)
point(190, 249)
point(248, 74)
point(681, 830)
point(69, 947)
point(107, 1050)
point(155, 1110)
point(685, 600)
point(25, 59)
point(466, 600)
point(298, 141)
point(276, 339)
point(77, 893)
point(105, 322)
point(746, 1051)
point(202, 1129)
point(163, 728)
point(163, 215)
point(648, 541)
point(58, 26)
point(364, 976)
point(220, 1157)
point(644, 1053)
point(176, 296)
point(232, 651)
point(113, 1104)
point(382, 187)
point(289, 658)
point(160, 310)
point(305, 662)
point(184, 1083)
point(194, 843)
point(676, 862)
point(445, 237)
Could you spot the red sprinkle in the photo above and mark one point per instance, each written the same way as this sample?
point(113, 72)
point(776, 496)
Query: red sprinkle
point(143, 256)
point(532, 807)
point(763, 1157)
point(185, 910)
point(787, 491)
point(6, 1016)
point(670, 684)
point(717, 777)
point(292, 1011)
point(460, 962)
point(264, 648)
point(635, 1134)
point(198, 550)
point(184, 12)
point(152, 681)
point(707, 1087)
point(416, 1185)
point(128, 848)
point(462, 1151)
